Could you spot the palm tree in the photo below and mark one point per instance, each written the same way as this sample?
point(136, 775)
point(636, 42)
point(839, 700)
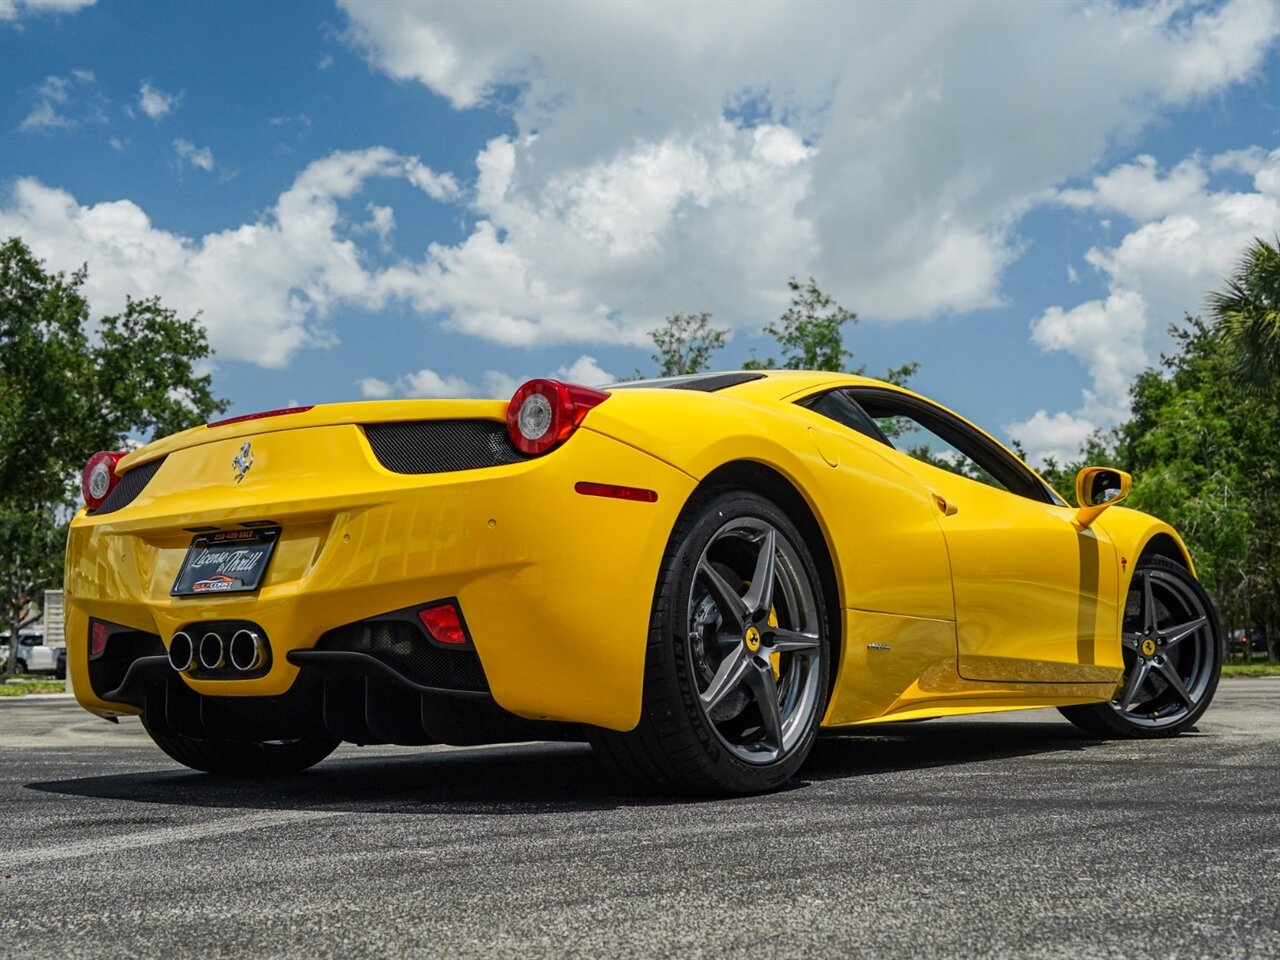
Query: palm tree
point(1248, 314)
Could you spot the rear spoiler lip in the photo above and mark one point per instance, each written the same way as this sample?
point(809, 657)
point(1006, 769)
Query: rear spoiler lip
point(322, 415)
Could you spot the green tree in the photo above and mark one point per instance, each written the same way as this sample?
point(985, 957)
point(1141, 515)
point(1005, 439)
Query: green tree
point(1202, 449)
point(811, 335)
point(810, 332)
point(1248, 314)
point(685, 343)
point(64, 394)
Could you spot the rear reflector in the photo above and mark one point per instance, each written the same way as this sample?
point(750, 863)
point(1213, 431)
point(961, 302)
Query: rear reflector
point(283, 411)
point(98, 634)
point(615, 491)
point(444, 623)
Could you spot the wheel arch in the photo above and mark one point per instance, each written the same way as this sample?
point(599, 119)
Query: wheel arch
point(766, 481)
point(1165, 545)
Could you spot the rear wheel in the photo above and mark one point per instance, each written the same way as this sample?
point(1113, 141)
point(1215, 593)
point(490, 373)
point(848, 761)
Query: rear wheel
point(1172, 657)
point(737, 663)
point(235, 758)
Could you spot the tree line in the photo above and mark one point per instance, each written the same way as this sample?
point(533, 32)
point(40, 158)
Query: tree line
point(1203, 442)
point(65, 394)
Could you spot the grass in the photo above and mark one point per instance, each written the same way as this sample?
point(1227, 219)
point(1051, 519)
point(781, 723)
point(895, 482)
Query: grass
point(21, 686)
point(1251, 669)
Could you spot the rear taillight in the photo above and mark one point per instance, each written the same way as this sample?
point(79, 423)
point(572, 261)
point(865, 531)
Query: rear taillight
point(99, 477)
point(544, 413)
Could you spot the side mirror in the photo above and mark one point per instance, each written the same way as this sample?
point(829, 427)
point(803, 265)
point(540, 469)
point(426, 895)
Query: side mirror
point(1098, 488)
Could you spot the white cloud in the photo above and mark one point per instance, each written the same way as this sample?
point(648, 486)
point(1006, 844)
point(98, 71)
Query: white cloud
point(1138, 191)
point(586, 371)
point(1186, 237)
point(201, 157)
point(684, 157)
point(54, 107)
point(381, 223)
point(371, 388)
point(12, 10)
point(155, 103)
point(264, 288)
point(1107, 335)
point(1059, 436)
point(499, 384)
point(428, 383)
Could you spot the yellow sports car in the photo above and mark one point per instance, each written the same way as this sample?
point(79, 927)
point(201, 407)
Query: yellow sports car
point(694, 574)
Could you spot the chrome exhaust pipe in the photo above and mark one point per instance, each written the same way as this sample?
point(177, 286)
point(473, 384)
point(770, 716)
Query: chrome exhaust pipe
point(182, 652)
point(246, 650)
point(212, 654)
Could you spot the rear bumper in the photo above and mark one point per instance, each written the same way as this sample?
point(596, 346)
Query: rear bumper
point(555, 587)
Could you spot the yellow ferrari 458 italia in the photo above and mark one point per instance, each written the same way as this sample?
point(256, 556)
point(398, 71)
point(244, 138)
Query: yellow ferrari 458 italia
point(694, 574)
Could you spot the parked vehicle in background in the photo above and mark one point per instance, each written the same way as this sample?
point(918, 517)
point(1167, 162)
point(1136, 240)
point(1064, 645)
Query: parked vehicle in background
point(33, 655)
point(1248, 645)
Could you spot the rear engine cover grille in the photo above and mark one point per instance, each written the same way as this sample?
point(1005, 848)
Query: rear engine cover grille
point(127, 490)
point(404, 647)
point(441, 446)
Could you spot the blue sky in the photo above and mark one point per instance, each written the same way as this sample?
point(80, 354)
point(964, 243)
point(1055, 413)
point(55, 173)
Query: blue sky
point(370, 200)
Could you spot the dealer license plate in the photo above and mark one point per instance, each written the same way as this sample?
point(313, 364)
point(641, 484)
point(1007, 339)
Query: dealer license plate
point(229, 561)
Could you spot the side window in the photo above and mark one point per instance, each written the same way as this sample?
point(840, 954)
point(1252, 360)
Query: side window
point(920, 443)
point(933, 436)
point(838, 406)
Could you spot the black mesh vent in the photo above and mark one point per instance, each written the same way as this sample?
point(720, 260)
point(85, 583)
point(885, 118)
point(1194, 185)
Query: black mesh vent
point(717, 381)
point(441, 446)
point(405, 648)
point(127, 490)
point(704, 382)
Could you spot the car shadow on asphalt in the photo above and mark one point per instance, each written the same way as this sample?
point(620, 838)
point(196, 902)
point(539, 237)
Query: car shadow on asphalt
point(553, 777)
point(892, 747)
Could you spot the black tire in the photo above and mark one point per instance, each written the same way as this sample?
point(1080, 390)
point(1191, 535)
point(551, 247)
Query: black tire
point(1149, 704)
point(233, 758)
point(677, 745)
point(20, 667)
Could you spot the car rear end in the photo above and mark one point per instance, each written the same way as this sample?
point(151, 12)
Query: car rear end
point(405, 572)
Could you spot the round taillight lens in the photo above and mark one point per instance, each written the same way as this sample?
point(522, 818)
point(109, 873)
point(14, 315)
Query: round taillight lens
point(544, 413)
point(99, 477)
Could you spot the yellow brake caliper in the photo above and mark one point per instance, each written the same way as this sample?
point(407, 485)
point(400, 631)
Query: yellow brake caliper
point(775, 658)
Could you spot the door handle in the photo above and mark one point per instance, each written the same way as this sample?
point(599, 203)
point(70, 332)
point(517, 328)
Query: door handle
point(948, 509)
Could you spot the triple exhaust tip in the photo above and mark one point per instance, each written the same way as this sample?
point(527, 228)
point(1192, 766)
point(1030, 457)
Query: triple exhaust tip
point(245, 652)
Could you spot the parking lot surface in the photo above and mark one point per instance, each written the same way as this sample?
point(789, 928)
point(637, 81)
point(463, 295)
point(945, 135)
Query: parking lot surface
point(1008, 835)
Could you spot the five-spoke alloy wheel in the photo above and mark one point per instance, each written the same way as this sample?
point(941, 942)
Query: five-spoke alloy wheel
point(737, 667)
point(1172, 657)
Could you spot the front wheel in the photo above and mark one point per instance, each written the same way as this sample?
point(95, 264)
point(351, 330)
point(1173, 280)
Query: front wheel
point(1172, 658)
point(738, 658)
point(233, 758)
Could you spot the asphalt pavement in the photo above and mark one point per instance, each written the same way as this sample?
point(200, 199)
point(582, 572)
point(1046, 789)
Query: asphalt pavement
point(1008, 835)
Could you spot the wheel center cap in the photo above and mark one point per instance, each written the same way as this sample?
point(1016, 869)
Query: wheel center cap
point(752, 639)
point(1148, 647)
